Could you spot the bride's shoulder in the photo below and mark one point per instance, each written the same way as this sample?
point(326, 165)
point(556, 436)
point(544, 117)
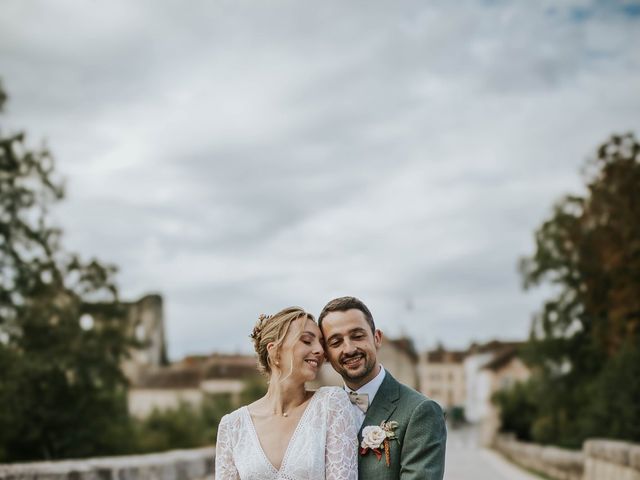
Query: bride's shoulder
point(333, 394)
point(233, 418)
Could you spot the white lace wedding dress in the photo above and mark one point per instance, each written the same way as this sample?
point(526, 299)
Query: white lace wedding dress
point(324, 445)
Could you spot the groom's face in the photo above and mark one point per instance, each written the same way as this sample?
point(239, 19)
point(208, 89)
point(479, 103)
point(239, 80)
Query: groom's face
point(351, 346)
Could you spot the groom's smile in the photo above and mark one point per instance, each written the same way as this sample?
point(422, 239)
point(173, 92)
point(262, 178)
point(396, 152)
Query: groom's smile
point(353, 362)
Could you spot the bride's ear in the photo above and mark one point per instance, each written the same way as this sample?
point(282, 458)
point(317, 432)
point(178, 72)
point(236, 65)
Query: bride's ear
point(272, 352)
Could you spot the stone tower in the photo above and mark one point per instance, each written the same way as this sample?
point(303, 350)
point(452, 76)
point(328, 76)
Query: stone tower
point(145, 323)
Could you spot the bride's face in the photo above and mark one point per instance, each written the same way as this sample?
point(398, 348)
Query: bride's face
point(301, 354)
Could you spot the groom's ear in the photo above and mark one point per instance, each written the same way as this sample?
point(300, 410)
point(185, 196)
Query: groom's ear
point(377, 338)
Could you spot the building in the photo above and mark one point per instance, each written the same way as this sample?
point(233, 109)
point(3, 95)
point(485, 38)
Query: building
point(154, 383)
point(506, 369)
point(467, 379)
point(191, 381)
point(399, 356)
point(503, 371)
point(145, 323)
point(442, 377)
point(478, 382)
point(165, 388)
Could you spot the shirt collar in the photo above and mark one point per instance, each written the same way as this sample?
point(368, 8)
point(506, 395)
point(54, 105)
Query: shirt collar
point(372, 387)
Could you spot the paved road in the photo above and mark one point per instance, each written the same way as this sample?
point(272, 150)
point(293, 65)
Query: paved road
point(467, 461)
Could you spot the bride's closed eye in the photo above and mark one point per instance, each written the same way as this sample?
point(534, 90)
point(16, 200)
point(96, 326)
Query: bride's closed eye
point(306, 339)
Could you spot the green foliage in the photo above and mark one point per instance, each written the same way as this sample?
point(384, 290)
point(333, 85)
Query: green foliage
point(212, 412)
point(517, 409)
point(184, 427)
point(254, 389)
point(191, 426)
point(456, 416)
point(61, 390)
point(613, 410)
point(584, 343)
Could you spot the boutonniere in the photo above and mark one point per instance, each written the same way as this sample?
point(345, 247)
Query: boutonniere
point(377, 439)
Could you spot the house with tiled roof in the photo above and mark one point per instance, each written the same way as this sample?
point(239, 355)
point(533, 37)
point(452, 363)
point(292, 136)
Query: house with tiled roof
point(442, 376)
point(190, 381)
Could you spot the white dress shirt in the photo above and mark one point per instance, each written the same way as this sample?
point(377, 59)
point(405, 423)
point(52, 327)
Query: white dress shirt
point(370, 389)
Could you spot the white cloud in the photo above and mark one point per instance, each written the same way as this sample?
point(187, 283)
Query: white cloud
point(239, 157)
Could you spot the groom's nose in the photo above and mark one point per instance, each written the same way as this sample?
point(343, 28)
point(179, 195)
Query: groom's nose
point(349, 347)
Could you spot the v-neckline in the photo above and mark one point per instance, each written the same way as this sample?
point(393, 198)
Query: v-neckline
point(291, 440)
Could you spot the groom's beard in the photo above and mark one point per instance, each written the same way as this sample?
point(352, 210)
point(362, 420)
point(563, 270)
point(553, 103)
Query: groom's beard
point(368, 364)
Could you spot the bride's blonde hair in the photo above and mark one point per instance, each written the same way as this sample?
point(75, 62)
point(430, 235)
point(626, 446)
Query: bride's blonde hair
point(273, 329)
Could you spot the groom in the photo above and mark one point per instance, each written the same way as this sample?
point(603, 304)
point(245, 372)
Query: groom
point(416, 422)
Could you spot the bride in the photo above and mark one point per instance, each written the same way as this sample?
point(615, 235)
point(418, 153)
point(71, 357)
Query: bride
point(291, 433)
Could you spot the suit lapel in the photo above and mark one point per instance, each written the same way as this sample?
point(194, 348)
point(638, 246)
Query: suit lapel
point(383, 404)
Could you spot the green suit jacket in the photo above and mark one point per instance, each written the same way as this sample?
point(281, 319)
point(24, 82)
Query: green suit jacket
point(422, 435)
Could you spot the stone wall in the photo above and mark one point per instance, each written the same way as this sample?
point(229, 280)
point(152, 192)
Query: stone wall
point(556, 463)
point(598, 459)
point(194, 464)
point(611, 460)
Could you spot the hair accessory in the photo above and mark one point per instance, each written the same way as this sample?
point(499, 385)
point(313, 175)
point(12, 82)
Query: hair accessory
point(258, 328)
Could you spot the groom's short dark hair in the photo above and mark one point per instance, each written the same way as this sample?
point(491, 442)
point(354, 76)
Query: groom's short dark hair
point(342, 304)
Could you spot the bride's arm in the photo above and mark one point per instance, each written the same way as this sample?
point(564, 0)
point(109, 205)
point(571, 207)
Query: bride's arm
point(224, 466)
point(341, 452)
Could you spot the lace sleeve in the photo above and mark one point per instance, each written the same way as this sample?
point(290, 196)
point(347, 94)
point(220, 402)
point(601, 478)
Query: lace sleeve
point(224, 466)
point(341, 454)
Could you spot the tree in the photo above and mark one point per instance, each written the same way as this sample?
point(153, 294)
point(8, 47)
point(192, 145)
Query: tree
point(62, 392)
point(590, 250)
point(517, 409)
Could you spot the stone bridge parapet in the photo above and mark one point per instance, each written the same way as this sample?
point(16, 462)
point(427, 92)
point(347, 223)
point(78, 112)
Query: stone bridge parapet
point(599, 459)
point(196, 464)
point(556, 463)
point(608, 459)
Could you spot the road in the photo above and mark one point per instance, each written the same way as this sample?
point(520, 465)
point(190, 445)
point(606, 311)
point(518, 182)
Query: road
point(466, 460)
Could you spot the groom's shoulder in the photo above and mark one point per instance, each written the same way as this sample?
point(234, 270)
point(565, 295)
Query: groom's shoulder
point(409, 395)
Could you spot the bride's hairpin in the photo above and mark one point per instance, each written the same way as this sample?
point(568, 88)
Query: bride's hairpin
point(259, 324)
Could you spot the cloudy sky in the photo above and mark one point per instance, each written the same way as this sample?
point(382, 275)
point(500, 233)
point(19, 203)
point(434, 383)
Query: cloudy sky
point(239, 157)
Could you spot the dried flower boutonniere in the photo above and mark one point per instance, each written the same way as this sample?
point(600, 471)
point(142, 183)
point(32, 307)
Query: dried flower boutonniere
point(377, 439)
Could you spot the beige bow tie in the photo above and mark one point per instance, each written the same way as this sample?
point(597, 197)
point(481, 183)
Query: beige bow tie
point(360, 400)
